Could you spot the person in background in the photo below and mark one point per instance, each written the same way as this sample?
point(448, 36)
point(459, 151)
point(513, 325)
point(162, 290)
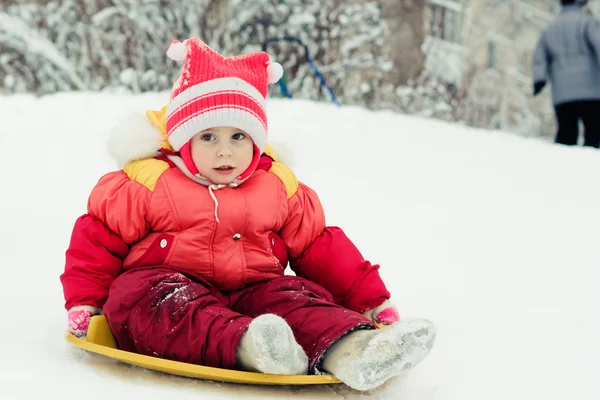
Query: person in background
point(568, 56)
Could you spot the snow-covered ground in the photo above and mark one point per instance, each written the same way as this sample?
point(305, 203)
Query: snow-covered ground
point(492, 236)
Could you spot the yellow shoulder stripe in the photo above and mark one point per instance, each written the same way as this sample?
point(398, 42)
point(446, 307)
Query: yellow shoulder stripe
point(146, 172)
point(286, 175)
point(270, 152)
point(283, 172)
point(159, 120)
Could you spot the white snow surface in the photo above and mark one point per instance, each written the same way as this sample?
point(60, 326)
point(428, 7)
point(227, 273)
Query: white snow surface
point(493, 237)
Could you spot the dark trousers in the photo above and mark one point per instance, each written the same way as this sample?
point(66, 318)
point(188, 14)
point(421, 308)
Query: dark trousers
point(568, 116)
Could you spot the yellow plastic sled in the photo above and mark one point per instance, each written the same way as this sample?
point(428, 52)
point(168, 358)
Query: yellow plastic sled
point(100, 340)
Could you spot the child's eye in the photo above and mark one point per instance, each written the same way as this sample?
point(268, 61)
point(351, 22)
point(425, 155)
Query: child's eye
point(207, 137)
point(238, 136)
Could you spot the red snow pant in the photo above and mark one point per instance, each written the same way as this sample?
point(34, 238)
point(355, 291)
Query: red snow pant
point(161, 312)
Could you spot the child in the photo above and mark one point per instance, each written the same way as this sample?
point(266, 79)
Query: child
point(184, 249)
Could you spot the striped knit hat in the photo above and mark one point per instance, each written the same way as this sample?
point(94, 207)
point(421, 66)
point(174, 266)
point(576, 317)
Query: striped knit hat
point(213, 90)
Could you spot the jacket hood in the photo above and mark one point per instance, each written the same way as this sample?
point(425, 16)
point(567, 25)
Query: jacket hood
point(138, 136)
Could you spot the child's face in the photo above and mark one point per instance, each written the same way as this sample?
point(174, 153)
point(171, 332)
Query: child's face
point(222, 154)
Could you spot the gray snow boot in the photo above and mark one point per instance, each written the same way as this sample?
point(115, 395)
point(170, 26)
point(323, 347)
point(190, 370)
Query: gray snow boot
point(269, 346)
point(365, 359)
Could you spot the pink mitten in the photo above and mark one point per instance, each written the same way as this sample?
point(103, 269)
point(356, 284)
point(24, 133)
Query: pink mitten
point(384, 314)
point(79, 319)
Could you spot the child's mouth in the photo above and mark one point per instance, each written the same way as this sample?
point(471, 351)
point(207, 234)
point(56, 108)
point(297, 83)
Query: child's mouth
point(224, 169)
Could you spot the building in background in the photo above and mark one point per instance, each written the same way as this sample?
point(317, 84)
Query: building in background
point(486, 47)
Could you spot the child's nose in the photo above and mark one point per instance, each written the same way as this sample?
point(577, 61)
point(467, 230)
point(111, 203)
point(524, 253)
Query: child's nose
point(224, 151)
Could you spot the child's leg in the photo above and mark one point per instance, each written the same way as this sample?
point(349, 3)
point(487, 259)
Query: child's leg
point(310, 311)
point(366, 359)
point(162, 313)
point(341, 341)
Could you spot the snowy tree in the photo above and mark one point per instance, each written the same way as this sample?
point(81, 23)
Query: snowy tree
point(109, 43)
point(105, 43)
point(21, 49)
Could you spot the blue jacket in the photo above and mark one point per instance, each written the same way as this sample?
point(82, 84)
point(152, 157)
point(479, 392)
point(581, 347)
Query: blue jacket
point(568, 55)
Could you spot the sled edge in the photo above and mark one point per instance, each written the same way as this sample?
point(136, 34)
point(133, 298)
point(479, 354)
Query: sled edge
point(101, 341)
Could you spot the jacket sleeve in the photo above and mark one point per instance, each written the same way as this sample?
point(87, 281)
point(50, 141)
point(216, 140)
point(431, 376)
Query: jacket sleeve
point(326, 256)
point(540, 61)
point(592, 35)
point(101, 239)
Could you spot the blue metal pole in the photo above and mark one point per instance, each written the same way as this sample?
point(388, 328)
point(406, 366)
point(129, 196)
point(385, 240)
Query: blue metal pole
point(308, 59)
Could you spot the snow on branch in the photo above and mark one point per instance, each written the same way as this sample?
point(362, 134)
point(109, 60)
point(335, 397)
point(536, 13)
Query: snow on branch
point(18, 37)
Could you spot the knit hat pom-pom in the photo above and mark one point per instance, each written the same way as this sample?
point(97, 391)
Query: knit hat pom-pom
point(176, 51)
point(274, 72)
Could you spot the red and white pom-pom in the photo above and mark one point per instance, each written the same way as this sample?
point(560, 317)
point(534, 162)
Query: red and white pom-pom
point(274, 72)
point(176, 51)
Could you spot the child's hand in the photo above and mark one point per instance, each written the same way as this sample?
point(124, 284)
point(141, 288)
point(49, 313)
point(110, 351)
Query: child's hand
point(79, 319)
point(385, 314)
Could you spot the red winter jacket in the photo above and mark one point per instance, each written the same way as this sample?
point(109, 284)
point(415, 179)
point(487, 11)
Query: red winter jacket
point(150, 213)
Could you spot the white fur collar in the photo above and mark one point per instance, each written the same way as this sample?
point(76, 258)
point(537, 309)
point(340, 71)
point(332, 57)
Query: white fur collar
point(134, 138)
